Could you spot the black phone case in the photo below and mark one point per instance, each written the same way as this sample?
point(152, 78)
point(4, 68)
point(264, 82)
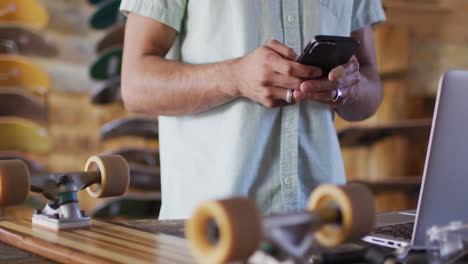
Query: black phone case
point(328, 52)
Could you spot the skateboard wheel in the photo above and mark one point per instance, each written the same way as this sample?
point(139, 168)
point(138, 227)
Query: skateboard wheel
point(225, 230)
point(115, 175)
point(14, 182)
point(356, 205)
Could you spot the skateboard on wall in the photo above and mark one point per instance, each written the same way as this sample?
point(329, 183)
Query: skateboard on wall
point(33, 165)
point(19, 71)
point(24, 12)
point(130, 126)
point(107, 92)
point(113, 38)
point(62, 232)
point(26, 41)
point(106, 15)
point(144, 167)
point(20, 134)
point(21, 103)
point(224, 231)
point(108, 64)
point(143, 156)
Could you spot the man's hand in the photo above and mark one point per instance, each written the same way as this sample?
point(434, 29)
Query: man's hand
point(266, 74)
point(342, 80)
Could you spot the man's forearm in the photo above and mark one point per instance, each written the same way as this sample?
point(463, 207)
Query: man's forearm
point(152, 84)
point(367, 99)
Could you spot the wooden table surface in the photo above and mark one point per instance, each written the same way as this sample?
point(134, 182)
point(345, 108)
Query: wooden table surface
point(10, 254)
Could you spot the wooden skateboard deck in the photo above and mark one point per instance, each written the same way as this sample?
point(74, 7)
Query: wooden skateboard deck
point(107, 92)
point(144, 156)
point(130, 126)
point(17, 70)
point(34, 165)
point(101, 243)
point(26, 12)
point(26, 41)
point(106, 15)
point(23, 135)
point(113, 38)
point(107, 65)
point(21, 103)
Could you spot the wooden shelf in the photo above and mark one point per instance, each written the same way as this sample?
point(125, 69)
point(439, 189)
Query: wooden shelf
point(408, 185)
point(444, 20)
point(414, 130)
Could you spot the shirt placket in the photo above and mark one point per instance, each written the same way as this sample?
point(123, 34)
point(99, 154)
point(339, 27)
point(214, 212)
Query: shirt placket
point(290, 116)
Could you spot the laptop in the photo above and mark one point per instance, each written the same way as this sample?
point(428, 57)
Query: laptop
point(444, 189)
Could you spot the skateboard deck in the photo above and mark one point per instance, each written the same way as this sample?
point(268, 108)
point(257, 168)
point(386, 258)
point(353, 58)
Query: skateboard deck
point(23, 135)
point(107, 92)
point(21, 103)
point(144, 156)
point(106, 15)
point(145, 177)
point(26, 41)
point(113, 38)
point(107, 65)
point(130, 126)
point(103, 242)
point(34, 166)
point(17, 70)
point(26, 12)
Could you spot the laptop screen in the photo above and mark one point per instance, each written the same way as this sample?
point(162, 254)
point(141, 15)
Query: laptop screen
point(444, 192)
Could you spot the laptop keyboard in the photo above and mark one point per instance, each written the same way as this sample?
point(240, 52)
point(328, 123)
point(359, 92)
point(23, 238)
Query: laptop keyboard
point(404, 231)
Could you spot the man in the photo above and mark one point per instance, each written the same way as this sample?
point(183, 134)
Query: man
point(238, 115)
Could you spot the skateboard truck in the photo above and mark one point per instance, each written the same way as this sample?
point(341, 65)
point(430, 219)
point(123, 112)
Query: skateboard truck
point(104, 176)
point(233, 229)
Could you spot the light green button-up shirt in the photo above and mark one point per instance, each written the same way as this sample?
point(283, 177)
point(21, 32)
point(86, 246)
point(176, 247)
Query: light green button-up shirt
point(274, 156)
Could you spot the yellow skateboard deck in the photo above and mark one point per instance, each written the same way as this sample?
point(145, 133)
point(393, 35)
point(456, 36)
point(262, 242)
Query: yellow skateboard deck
point(19, 71)
point(23, 135)
point(26, 12)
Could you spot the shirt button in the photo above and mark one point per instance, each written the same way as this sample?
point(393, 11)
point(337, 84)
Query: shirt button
point(288, 180)
point(291, 19)
point(288, 124)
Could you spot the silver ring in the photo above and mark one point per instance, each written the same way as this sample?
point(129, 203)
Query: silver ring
point(289, 96)
point(337, 96)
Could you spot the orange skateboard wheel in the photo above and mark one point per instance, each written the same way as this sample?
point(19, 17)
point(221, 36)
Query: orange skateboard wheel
point(115, 175)
point(235, 228)
point(356, 205)
point(14, 182)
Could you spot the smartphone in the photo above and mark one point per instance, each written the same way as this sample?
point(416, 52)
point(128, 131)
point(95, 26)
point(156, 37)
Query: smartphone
point(328, 52)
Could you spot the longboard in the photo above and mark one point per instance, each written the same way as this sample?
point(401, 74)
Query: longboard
point(113, 38)
point(130, 126)
point(107, 92)
point(23, 135)
point(103, 242)
point(108, 65)
point(26, 41)
point(26, 12)
point(21, 103)
point(17, 70)
point(106, 15)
